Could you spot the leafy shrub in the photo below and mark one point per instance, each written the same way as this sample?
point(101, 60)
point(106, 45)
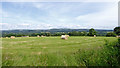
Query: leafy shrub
point(110, 34)
point(108, 55)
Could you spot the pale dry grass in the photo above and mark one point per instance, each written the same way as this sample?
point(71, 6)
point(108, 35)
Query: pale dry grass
point(1, 47)
point(37, 53)
point(44, 47)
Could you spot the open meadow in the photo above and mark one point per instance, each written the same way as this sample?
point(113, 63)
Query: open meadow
point(53, 51)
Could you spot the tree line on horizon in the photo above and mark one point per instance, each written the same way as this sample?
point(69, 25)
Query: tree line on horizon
point(91, 32)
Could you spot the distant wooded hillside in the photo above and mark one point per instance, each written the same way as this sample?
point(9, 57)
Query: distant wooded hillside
point(100, 32)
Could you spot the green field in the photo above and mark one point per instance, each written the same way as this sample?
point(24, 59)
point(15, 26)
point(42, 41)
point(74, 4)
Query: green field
point(53, 51)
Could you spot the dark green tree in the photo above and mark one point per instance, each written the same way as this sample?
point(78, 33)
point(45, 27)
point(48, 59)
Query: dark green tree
point(92, 32)
point(111, 34)
point(117, 30)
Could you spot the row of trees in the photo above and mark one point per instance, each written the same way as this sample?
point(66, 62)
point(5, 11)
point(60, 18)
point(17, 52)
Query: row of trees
point(91, 32)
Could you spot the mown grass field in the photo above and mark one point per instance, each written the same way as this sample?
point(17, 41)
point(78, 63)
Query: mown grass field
point(53, 51)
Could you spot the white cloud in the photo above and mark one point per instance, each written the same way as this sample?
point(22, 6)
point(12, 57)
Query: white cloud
point(6, 26)
point(56, 18)
point(3, 23)
point(5, 14)
point(106, 18)
point(24, 24)
point(37, 5)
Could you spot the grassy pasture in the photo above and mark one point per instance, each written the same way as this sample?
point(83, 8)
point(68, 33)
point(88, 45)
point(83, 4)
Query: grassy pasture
point(49, 51)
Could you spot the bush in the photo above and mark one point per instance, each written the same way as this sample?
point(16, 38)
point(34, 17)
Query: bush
point(108, 55)
point(110, 34)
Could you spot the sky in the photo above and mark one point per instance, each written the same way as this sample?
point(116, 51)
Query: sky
point(49, 15)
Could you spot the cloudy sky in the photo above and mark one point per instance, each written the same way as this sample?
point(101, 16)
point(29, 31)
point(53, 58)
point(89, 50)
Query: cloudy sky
point(48, 15)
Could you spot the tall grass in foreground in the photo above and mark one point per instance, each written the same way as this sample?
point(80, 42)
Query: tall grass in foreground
point(109, 56)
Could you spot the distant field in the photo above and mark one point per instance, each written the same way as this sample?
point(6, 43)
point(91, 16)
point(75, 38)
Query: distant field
point(48, 51)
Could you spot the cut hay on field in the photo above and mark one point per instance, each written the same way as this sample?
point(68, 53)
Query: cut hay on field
point(44, 47)
point(25, 36)
point(38, 36)
point(118, 36)
point(6, 37)
point(67, 35)
point(37, 53)
point(23, 41)
point(94, 35)
point(43, 36)
point(12, 37)
point(64, 37)
point(1, 47)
